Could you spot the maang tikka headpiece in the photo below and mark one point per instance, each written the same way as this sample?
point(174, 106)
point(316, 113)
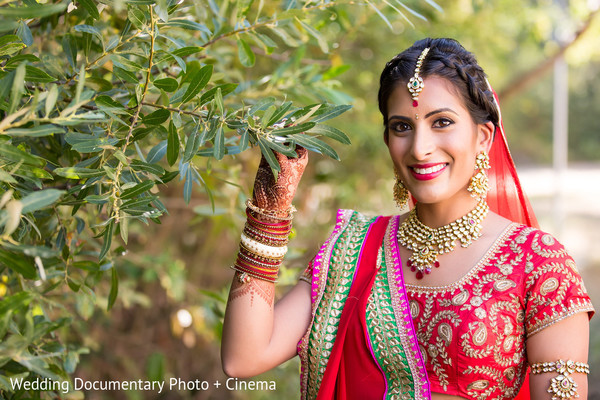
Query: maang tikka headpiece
point(415, 84)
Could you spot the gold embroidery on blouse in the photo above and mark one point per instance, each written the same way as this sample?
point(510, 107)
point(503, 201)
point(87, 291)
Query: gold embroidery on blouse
point(497, 325)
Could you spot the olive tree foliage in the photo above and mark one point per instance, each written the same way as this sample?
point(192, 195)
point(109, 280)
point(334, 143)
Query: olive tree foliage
point(102, 103)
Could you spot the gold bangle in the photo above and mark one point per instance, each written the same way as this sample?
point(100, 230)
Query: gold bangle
point(274, 214)
point(561, 386)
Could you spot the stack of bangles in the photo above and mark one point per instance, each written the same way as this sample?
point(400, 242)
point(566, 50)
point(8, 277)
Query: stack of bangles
point(263, 244)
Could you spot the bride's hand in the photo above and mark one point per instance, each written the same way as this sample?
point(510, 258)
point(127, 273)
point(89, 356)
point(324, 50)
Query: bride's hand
point(278, 195)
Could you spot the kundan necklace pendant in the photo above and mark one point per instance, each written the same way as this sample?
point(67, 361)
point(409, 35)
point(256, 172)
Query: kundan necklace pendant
point(427, 243)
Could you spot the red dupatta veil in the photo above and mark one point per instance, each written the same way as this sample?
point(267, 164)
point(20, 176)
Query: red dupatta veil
point(506, 196)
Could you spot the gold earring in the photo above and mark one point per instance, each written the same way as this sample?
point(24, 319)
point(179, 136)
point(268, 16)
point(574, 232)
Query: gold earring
point(479, 184)
point(400, 192)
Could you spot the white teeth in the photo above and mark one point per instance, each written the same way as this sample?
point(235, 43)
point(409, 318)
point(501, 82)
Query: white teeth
point(429, 170)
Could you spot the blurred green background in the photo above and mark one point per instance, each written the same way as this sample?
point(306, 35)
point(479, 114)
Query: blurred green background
point(174, 277)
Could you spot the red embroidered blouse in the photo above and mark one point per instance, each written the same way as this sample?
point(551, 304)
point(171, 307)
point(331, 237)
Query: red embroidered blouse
point(472, 333)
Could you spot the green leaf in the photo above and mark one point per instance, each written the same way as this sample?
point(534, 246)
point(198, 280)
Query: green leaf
point(6, 177)
point(114, 288)
point(285, 36)
point(11, 48)
point(69, 45)
point(267, 43)
point(187, 51)
point(33, 10)
point(269, 156)
point(25, 33)
point(157, 152)
point(139, 202)
point(12, 153)
point(92, 30)
point(33, 251)
point(127, 64)
point(280, 148)
point(18, 59)
point(315, 144)
point(83, 143)
point(40, 199)
point(329, 112)
point(245, 54)
point(166, 84)
point(279, 113)
point(219, 150)
point(219, 101)
point(51, 99)
point(125, 75)
point(107, 103)
point(331, 132)
point(98, 84)
point(172, 144)
point(262, 104)
point(157, 117)
point(18, 86)
point(137, 17)
point(90, 7)
point(187, 186)
point(6, 39)
point(185, 24)
point(18, 263)
point(191, 146)
point(124, 226)
point(108, 235)
point(225, 90)
point(383, 17)
point(86, 265)
point(98, 198)
point(335, 71)
point(79, 173)
point(37, 131)
point(12, 304)
point(137, 189)
point(293, 129)
point(199, 80)
point(314, 33)
point(151, 168)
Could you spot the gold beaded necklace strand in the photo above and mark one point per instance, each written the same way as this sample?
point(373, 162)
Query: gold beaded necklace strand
point(427, 243)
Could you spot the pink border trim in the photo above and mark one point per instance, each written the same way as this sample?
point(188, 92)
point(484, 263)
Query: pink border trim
point(422, 388)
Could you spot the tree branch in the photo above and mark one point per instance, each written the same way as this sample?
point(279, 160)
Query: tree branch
point(522, 81)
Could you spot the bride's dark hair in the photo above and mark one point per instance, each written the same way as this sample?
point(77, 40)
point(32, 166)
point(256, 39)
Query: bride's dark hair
point(447, 59)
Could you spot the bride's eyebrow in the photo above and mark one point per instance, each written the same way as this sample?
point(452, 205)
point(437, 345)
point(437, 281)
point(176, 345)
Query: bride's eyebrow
point(440, 110)
point(399, 117)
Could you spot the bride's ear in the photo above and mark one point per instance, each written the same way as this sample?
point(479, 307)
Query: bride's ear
point(486, 135)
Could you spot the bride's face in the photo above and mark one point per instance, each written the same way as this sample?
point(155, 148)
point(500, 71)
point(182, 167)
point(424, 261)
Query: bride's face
point(434, 145)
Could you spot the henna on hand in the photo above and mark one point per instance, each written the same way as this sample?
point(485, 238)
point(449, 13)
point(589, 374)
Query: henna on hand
point(278, 195)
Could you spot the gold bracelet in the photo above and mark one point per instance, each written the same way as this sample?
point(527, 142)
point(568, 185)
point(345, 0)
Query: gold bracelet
point(271, 213)
point(561, 386)
point(560, 366)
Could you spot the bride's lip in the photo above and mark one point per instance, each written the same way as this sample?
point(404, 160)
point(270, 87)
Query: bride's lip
point(425, 172)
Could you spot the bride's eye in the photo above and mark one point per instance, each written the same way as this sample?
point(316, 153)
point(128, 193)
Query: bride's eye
point(399, 126)
point(442, 122)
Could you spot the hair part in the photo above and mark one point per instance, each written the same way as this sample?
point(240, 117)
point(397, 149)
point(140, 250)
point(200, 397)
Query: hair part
point(447, 59)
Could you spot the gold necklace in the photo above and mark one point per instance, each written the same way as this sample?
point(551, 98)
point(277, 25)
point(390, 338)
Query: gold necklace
point(427, 243)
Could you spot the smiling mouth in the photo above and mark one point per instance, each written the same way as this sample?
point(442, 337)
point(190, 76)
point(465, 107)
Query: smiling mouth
point(428, 170)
